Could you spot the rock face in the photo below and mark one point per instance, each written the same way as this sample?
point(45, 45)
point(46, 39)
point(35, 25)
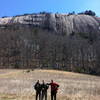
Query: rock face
point(60, 23)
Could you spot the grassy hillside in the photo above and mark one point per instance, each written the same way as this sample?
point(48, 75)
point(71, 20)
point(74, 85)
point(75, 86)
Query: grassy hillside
point(18, 84)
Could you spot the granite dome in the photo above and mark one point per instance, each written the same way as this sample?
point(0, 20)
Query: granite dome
point(57, 22)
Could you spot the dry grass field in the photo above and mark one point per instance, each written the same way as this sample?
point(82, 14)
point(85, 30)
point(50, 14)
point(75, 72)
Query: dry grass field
point(18, 84)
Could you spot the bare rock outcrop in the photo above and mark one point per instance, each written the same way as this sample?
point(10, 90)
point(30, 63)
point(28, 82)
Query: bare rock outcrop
point(60, 23)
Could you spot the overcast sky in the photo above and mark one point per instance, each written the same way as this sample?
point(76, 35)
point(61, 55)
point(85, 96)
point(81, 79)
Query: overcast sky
point(17, 7)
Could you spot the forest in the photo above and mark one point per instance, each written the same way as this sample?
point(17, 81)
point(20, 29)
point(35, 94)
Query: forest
point(24, 47)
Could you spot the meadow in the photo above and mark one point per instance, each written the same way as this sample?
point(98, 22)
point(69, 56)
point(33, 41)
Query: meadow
point(19, 84)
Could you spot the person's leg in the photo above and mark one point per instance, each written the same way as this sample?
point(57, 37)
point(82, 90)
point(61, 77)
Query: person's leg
point(40, 96)
point(36, 96)
point(51, 96)
point(46, 95)
point(55, 96)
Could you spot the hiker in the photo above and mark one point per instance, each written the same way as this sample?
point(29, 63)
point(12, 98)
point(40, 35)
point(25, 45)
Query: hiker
point(37, 88)
point(44, 90)
point(54, 89)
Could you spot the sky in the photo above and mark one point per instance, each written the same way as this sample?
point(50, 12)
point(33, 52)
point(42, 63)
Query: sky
point(18, 7)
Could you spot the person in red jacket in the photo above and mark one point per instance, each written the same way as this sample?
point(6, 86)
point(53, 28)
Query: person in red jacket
point(54, 89)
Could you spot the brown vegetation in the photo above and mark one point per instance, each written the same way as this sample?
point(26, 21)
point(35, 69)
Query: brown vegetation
point(18, 84)
point(28, 47)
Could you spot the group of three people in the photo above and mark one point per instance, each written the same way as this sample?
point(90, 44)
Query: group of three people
point(41, 90)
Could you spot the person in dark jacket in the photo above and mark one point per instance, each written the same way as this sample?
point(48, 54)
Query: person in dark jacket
point(44, 90)
point(54, 89)
point(38, 88)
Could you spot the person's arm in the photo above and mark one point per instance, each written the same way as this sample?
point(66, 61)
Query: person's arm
point(48, 83)
point(35, 86)
point(57, 84)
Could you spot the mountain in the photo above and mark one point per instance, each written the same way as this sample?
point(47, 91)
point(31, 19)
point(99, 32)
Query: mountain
point(62, 41)
point(57, 22)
